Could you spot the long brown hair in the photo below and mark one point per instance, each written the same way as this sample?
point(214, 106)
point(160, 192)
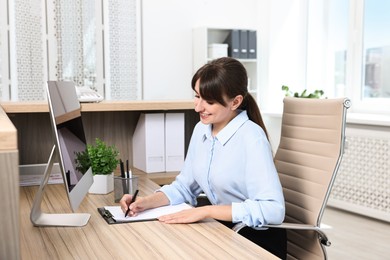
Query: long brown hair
point(227, 77)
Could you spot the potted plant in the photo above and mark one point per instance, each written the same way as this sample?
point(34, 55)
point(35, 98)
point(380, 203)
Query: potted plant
point(316, 94)
point(103, 159)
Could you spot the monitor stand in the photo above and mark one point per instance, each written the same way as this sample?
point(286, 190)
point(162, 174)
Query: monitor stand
point(38, 218)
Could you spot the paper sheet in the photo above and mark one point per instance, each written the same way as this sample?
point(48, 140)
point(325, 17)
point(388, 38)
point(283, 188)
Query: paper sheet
point(150, 214)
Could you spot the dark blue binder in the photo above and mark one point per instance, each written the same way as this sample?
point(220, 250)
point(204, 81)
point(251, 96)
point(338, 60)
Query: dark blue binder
point(243, 44)
point(252, 42)
point(233, 41)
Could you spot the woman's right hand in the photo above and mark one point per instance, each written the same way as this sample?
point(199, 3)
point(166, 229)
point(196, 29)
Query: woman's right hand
point(135, 207)
point(154, 200)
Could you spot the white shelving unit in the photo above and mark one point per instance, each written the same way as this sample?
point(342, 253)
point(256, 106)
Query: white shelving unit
point(203, 36)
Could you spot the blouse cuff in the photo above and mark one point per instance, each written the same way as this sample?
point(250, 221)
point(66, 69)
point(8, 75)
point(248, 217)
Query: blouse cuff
point(238, 212)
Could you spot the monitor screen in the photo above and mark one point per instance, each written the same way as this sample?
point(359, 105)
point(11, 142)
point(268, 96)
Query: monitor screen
point(70, 138)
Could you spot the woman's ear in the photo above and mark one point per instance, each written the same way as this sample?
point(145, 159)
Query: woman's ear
point(237, 102)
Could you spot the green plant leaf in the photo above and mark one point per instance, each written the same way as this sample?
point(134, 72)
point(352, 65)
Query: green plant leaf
point(102, 158)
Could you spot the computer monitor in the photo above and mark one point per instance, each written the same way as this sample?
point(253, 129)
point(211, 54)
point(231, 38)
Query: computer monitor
point(69, 139)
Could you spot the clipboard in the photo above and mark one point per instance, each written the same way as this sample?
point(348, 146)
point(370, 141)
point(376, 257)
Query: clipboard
point(107, 216)
point(116, 216)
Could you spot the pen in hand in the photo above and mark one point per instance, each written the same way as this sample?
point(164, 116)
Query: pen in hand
point(132, 200)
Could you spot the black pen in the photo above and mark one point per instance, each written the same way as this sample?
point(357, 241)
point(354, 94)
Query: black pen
point(122, 169)
point(132, 200)
point(127, 175)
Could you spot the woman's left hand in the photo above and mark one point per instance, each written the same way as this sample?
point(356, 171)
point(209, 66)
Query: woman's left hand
point(185, 216)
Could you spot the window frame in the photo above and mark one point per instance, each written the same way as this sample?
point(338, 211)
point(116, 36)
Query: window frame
point(355, 65)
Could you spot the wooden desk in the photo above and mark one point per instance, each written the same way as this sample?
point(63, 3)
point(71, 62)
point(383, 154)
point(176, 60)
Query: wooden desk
point(141, 240)
point(9, 189)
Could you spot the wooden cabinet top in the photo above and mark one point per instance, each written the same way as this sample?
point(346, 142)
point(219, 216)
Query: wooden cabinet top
point(141, 105)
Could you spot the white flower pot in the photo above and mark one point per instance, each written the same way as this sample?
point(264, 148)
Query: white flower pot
point(102, 184)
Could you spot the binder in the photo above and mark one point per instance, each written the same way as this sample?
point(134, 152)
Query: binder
point(243, 44)
point(158, 142)
point(233, 41)
point(252, 45)
point(148, 143)
point(174, 141)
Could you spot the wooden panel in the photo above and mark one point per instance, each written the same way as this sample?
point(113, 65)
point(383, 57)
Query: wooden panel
point(25, 107)
point(114, 128)
point(8, 136)
point(9, 194)
point(42, 106)
point(137, 105)
point(35, 138)
point(9, 190)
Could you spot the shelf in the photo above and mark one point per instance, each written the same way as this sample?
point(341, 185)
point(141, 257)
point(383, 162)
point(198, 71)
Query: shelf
point(241, 60)
point(204, 36)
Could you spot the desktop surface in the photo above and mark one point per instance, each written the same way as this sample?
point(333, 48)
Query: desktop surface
point(139, 240)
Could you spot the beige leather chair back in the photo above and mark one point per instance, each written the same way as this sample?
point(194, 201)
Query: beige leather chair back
point(307, 160)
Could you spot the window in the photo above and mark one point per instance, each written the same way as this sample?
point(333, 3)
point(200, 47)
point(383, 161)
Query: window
point(338, 21)
point(358, 52)
point(369, 60)
point(376, 49)
point(354, 36)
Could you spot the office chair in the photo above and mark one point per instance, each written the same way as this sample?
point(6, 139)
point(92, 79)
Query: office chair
point(307, 160)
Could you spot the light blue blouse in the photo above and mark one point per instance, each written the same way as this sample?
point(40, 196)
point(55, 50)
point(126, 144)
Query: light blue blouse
point(235, 167)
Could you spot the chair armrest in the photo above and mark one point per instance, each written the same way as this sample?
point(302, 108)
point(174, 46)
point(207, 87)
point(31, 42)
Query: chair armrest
point(237, 227)
point(322, 236)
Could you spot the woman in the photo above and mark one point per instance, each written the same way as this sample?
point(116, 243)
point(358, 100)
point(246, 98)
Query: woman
point(229, 159)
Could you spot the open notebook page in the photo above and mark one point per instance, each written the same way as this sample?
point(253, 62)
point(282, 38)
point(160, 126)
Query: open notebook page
point(150, 214)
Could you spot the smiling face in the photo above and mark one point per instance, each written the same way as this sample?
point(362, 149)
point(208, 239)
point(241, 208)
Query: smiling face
point(212, 112)
point(220, 87)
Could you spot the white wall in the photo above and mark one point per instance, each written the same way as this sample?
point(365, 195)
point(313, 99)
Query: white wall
point(167, 43)
point(167, 39)
point(282, 29)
